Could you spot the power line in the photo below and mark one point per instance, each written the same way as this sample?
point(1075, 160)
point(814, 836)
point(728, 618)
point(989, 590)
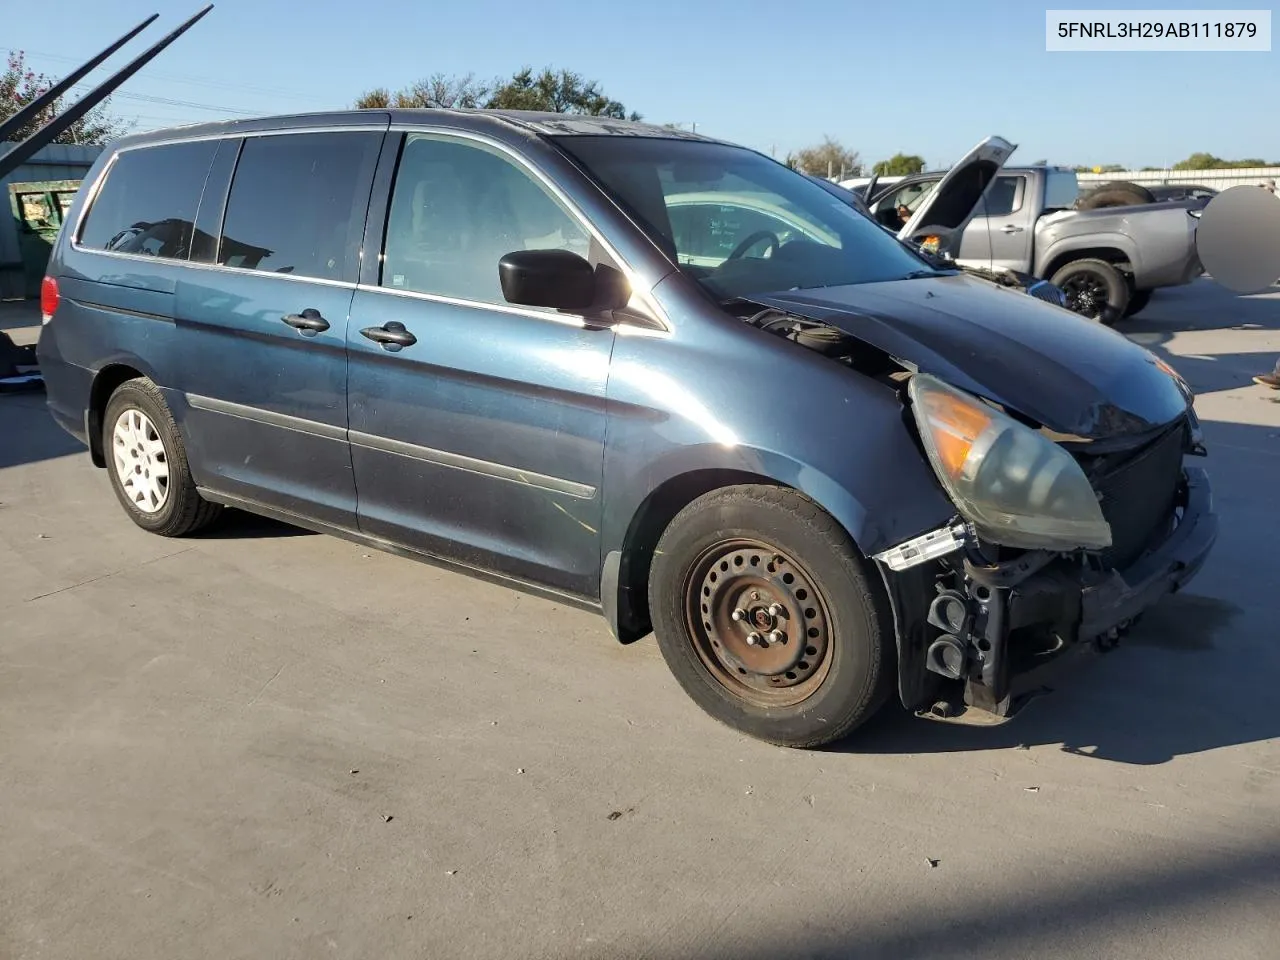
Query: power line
point(195, 81)
point(171, 102)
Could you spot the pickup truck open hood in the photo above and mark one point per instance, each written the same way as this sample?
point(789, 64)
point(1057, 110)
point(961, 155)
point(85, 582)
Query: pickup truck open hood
point(1071, 375)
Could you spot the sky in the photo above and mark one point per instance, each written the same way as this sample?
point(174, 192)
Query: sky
point(929, 78)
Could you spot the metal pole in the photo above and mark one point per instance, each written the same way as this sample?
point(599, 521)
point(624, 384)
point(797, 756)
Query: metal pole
point(32, 110)
point(51, 130)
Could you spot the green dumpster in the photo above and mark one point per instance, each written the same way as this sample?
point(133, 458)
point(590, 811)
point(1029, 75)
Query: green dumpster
point(39, 209)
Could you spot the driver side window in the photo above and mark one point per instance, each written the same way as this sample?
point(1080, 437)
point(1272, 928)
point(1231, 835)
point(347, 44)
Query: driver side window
point(456, 209)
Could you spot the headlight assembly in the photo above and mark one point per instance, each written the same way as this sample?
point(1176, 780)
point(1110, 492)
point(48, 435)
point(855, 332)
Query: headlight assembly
point(1014, 485)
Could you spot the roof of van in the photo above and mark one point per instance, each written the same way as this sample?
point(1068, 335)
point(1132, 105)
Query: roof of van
point(540, 123)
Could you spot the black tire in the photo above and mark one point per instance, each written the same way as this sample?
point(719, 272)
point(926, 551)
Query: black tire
point(782, 548)
point(1138, 300)
point(1121, 193)
point(181, 510)
point(1094, 289)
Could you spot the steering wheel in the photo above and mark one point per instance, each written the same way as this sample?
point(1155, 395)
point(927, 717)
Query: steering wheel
point(740, 250)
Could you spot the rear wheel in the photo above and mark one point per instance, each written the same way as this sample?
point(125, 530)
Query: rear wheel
point(768, 616)
point(148, 463)
point(1094, 289)
point(1138, 301)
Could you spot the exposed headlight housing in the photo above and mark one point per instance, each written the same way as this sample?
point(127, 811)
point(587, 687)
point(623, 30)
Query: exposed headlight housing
point(1015, 486)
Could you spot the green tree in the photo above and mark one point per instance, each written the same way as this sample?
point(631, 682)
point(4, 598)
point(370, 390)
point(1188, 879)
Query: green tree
point(437, 91)
point(551, 90)
point(830, 158)
point(556, 91)
point(899, 165)
point(1207, 161)
point(1199, 161)
point(20, 85)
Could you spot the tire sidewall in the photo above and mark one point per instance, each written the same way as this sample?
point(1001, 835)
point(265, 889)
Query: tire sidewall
point(134, 396)
point(853, 687)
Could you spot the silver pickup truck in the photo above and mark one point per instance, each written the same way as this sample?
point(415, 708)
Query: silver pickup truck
point(1106, 261)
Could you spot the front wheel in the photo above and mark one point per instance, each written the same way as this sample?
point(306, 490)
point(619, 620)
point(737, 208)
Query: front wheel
point(769, 618)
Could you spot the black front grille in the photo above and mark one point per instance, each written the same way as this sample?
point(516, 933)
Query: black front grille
point(1138, 496)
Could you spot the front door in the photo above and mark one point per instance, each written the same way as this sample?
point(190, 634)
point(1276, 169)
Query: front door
point(477, 428)
point(1003, 220)
point(264, 322)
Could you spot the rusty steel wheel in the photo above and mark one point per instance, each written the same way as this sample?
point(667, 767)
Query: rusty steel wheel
point(769, 616)
point(758, 622)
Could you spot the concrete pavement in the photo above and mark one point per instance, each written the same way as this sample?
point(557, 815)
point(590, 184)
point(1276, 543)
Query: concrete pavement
point(266, 743)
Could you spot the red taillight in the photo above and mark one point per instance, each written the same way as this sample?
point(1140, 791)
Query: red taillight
point(48, 298)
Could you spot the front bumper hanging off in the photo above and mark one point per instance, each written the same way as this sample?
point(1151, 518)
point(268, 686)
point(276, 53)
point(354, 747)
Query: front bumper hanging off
point(969, 628)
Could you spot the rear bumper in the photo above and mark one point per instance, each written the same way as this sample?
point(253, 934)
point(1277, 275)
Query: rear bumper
point(67, 390)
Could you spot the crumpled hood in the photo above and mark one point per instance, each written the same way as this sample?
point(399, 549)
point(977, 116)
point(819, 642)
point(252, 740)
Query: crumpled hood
point(1067, 373)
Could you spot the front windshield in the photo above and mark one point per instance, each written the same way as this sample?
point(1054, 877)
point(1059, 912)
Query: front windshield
point(738, 222)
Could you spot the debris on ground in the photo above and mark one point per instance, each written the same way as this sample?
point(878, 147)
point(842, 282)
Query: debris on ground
point(387, 818)
point(1031, 789)
point(932, 862)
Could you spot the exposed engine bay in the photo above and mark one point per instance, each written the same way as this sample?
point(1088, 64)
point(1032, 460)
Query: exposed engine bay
point(822, 338)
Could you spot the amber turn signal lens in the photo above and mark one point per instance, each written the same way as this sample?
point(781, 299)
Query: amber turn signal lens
point(955, 426)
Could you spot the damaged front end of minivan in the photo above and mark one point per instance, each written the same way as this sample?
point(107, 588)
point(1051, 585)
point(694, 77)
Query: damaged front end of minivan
point(1074, 511)
point(1054, 549)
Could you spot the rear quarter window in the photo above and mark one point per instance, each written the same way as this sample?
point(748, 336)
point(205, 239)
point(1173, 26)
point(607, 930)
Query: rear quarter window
point(147, 204)
point(1060, 190)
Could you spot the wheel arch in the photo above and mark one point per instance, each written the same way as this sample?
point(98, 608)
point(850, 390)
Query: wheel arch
point(624, 585)
point(1112, 255)
point(106, 381)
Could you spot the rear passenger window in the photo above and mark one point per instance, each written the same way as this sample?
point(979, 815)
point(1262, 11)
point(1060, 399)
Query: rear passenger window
point(148, 203)
point(456, 209)
point(298, 203)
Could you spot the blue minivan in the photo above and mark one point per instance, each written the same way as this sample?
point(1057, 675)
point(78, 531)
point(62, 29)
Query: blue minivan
point(642, 371)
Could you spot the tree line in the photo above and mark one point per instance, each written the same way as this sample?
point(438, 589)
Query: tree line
point(1197, 161)
point(551, 89)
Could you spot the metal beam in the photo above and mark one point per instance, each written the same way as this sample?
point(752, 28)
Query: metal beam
point(50, 96)
point(50, 131)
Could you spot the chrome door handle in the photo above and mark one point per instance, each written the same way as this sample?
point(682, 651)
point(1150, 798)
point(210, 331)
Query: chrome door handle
point(1010, 228)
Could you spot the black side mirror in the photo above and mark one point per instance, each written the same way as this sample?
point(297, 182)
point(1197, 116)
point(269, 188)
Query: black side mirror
point(557, 279)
